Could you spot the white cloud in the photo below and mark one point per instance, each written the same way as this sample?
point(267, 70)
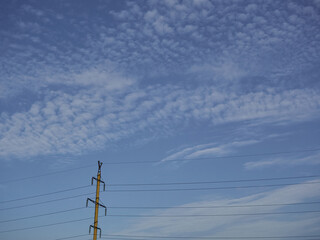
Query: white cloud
point(251, 7)
point(115, 43)
point(285, 161)
point(32, 10)
point(145, 41)
point(209, 149)
point(88, 119)
point(221, 71)
point(151, 15)
point(202, 3)
point(102, 76)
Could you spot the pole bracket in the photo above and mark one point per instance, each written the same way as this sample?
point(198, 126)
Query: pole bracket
point(104, 185)
point(91, 226)
point(101, 205)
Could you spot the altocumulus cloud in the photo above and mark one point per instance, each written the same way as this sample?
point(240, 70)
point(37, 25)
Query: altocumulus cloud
point(91, 118)
point(140, 70)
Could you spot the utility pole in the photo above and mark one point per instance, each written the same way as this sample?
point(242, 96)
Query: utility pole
point(96, 202)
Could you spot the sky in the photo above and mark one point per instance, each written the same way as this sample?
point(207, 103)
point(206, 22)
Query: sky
point(220, 97)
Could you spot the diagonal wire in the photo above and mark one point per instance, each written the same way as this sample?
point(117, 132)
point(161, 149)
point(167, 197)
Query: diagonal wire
point(46, 194)
point(143, 237)
point(45, 225)
point(45, 174)
point(49, 201)
point(41, 215)
point(83, 219)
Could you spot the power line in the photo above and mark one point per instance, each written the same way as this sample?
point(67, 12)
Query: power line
point(222, 237)
point(160, 190)
point(45, 225)
point(46, 194)
point(166, 183)
point(315, 237)
point(208, 188)
point(212, 158)
point(167, 207)
point(138, 237)
point(212, 215)
point(209, 182)
point(41, 215)
point(216, 206)
point(157, 161)
point(49, 201)
point(193, 215)
point(201, 237)
point(76, 236)
point(44, 175)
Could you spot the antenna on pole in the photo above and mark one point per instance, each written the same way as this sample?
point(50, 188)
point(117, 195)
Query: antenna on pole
point(96, 202)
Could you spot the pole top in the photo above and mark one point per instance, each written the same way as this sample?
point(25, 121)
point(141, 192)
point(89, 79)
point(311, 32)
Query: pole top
point(99, 166)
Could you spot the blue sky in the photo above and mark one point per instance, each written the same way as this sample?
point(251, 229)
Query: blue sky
point(121, 81)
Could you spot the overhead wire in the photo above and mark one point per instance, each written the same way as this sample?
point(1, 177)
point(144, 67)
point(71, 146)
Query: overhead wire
point(143, 237)
point(75, 236)
point(168, 207)
point(160, 190)
point(154, 190)
point(130, 237)
point(214, 206)
point(234, 238)
point(46, 194)
point(161, 161)
point(208, 188)
point(164, 184)
point(48, 201)
point(210, 182)
point(45, 225)
point(212, 215)
point(166, 216)
point(45, 174)
point(104, 236)
point(42, 215)
point(141, 184)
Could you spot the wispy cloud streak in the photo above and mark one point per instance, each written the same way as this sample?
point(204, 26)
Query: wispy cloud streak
point(234, 225)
